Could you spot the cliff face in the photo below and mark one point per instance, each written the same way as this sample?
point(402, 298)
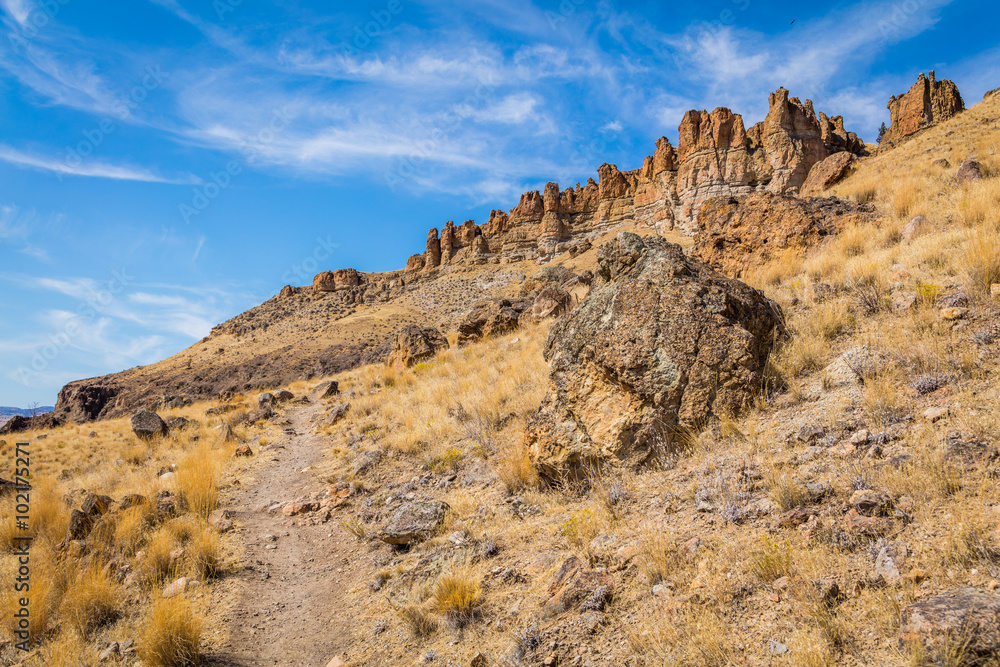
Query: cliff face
point(716, 156)
point(928, 102)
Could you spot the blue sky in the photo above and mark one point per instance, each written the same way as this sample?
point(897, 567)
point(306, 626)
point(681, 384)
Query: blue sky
point(166, 164)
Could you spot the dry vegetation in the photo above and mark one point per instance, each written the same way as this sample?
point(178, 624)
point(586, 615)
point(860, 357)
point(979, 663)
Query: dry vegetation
point(705, 570)
point(707, 563)
point(81, 602)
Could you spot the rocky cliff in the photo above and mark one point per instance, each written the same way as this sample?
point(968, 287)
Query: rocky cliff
point(926, 103)
point(716, 156)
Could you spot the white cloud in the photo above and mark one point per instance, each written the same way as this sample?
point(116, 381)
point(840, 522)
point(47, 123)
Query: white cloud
point(93, 169)
point(19, 10)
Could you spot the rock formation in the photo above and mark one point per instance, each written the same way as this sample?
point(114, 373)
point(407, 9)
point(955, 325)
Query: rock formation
point(661, 346)
point(741, 233)
point(928, 102)
point(716, 156)
point(827, 173)
point(413, 344)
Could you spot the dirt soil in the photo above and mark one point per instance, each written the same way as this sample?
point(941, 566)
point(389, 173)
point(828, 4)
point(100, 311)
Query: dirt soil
point(286, 602)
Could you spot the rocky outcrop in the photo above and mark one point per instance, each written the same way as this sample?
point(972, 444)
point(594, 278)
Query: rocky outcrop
point(331, 281)
point(741, 233)
point(661, 346)
point(963, 617)
point(716, 156)
point(490, 318)
point(413, 344)
point(926, 103)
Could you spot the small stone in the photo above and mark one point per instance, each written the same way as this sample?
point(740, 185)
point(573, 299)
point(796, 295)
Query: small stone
point(860, 438)
point(220, 520)
point(776, 648)
point(243, 450)
point(110, 652)
point(327, 389)
point(414, 522)
point(336, 661)
point(935, 414)
point(915, 228)
point(870, 503)
point(176, 588)
point(782, 583)
point(952, 314)
point(885, 565)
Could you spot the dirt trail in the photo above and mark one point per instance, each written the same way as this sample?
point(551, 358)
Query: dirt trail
point(286, 593)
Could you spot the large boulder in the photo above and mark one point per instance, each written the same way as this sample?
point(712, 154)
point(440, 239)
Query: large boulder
point(324, 282)
point(15, 424)
point(743, 233)
point(964, 616)
point(827, 173)
point(490, 318)
point(147, 425)
point(413, 344)
point(661, 346)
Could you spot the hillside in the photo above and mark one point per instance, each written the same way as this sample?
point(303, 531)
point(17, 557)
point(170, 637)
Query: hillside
point(774, 443)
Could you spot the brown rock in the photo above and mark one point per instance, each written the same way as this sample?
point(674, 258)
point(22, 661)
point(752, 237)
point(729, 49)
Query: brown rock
point(414, 522)
point(970, 170)
point(324, 282)
point(413, 344)
point(552, 302)
point(298, 507)
point(915, 228)
point(243, 450)
point(147, 425)
point(742, 233)
point(871, 503)
point(966, 617)
point(327, 389)
point(662, 344)
point(337, 413)
point(491, 318)
point(828, 172)
point(928, 102)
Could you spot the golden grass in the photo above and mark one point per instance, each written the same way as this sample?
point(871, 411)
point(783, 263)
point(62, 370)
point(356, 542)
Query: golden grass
point(198, 481)
point(171, 634)
point(93, 600)
point(457, 596)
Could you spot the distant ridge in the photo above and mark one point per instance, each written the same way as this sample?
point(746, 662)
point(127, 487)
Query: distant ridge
point(7, 412)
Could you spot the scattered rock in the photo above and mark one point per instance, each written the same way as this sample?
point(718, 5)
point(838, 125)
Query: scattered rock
point(243, 450)
point(221, 520)
point(176, 588)
point(490, 318)
point(970, 170)
point(941, 163)
point(964, 616)
point(414, 522)
point(871, 503)
point(935, 414)
point(266, 399)
point(952, 314)
point(178, 423)
point(337, 413)
point(886, 565)
point(283, 396)
point(365, 461)
point(80, 525)
point(551, 302)
point(413, 344)
point(298, 507)
point(664, 343)
point(131, 500)
point(915, 228)
point(111, 652)
point(262, 414)
point(327, 389)
point(147, 425)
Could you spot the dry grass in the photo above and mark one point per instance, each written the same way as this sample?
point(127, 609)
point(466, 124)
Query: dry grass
point(458, 596)
point(171, 634)
point(198, 481)
point(92, 601)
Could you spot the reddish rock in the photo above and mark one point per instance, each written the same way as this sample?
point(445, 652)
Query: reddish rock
point(413, 344)
point(324, 282)
point(970, 170)
point(828, 172)
point(741, 233)
point(928, 102)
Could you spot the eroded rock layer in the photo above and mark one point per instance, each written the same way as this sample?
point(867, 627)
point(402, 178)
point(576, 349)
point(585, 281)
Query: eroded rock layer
point(926, 103)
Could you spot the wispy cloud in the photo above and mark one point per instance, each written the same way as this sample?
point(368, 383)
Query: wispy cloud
point(89, 168)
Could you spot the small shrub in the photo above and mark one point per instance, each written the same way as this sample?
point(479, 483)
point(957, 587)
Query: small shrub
point(418, 620)
point(580, 528)
point(158, 564)
point(171, 634)
point(92, 601)
point(982, 260)
point(458, 596)
point(927, 293)
point(772, 560)
point(514, 468)
point(450, 461)
point(205, 554)
point(198, 481)
point(785, 491)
